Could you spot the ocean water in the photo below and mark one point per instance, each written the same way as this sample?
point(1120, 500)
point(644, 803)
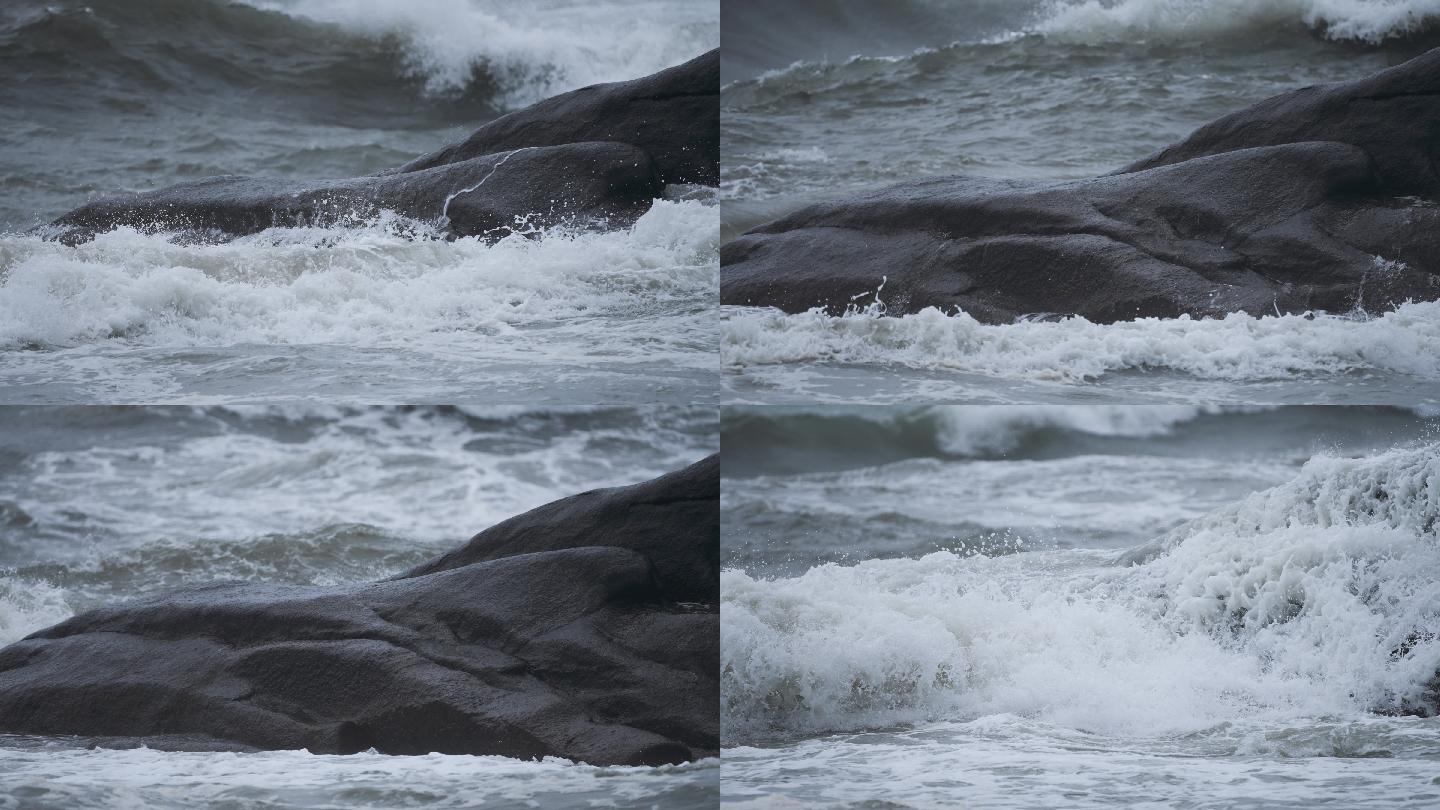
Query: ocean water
point(821, 98)
point(43, 774)
point(1138, 605)
point(103, 504)
point(130, 95)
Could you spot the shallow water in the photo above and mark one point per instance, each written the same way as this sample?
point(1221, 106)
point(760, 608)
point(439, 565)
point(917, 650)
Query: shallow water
point(43, 774)
point(1012, 607)
point(1014, 763)
point(823, 98)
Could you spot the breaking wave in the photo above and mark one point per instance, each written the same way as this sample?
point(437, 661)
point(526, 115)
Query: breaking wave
point(1316, 598)
point(372, 285)
point(1094, 22)
point(1236, 347)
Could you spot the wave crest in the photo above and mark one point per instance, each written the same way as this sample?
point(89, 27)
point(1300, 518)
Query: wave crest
point(375, 284)
point(1095, 22)
point(1236, 347)
point(532, 51)
point(1327, 606)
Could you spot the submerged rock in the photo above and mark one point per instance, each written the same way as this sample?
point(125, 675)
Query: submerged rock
point(1326, 198)
point(586, 629)
point(594, 157)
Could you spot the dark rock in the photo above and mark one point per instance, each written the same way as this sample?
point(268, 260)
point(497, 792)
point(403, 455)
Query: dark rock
point(594, 157)
point(582, 629)
point(1236, 219)
point(674, 115)
point(1393, 115)
point(646, 518)
point(583, 183)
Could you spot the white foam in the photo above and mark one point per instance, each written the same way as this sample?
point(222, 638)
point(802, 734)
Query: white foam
point(77, 777)
point(533, 50)
point(133, 512)
point(1087, 500)
point(1399, 489)
point(366, 467)
point(1296, 617)
point(1236, 347)
point(367, 286)
point(972, 431)
point(753, 180)
point(28, 606)
point(1011, 763)
point(1104, 21)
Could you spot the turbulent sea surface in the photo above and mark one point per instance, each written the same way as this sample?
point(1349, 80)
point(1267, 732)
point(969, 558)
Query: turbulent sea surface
point(824, 97)
point(101, 504)
point(1093, 606)
point(131, 95)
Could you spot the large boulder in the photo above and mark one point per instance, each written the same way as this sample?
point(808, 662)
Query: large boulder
point(674, 115)
point(594, 157)
point(1392, 115)
point(1323, 199)
point(585, 629)
point(642, 518)
point(608, 184)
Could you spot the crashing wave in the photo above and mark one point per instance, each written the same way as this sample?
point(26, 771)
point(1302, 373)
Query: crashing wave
point(1318, 597)
point(1094, 22)
point(1236, 347)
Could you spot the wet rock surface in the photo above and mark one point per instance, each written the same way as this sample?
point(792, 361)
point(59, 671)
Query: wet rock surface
point(595, 157)
point(585, 629)
point(1320, 199)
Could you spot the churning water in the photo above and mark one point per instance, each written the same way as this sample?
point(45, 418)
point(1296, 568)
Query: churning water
point(1080, 607)
point(822, 98)
point(105, 98)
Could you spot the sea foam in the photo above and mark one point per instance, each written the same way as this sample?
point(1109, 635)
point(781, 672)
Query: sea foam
point(532, 50)
point(371, 285)
point(1292, 616)
point(1236, 347)
point(1101, 21)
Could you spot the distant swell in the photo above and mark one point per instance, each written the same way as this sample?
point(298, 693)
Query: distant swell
point(861, 35)
point(1095, 22)
point(532, 50)
point(337, 59)
point(878, 436)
